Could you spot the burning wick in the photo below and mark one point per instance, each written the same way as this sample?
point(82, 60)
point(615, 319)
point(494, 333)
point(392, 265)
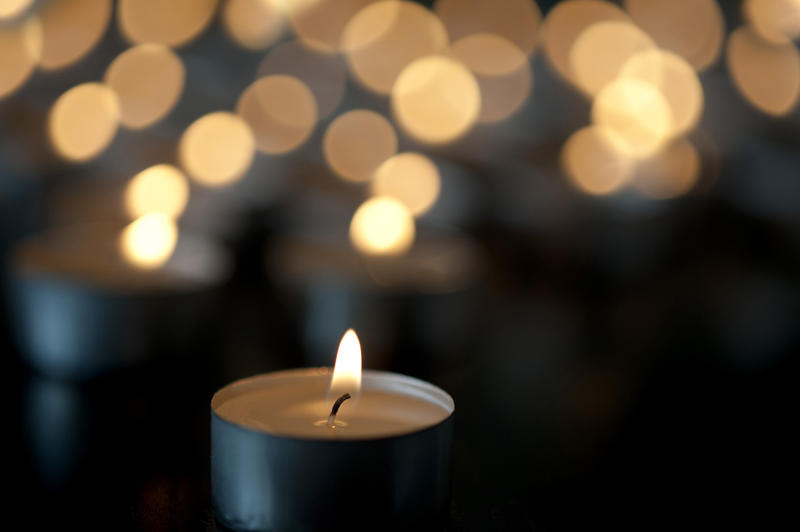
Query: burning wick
point(335, 409)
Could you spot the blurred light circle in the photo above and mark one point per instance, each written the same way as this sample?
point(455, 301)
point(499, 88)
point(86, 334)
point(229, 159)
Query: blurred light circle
point(84, 120)
point(320, 23)
point(515, 20)
point(677, 81)
point(777, 21)
point(564, 24)
point(411, 178)
point(253, 24)
point(217, 149)
point(20, 50)
point(161, 188)
point(501, 70)
point(149, 241)
point(693, 29)
point(385, 37)
point(324, 74)
point(671, 172)
point(767, 75)
point(436, 99)
point(11, 9)
point(148, 80)
point(600, 51)
point(357, 143)
point(596, 161)
point(71, 29)
point(637, 112)
point(281, 112)
point(171, 23)
point(382, 226)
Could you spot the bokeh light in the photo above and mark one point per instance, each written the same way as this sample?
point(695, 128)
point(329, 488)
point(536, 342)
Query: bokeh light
point(436, 99)
point(357, 142)
point(384, 37)
point(766, 74)
point(281, 112)
point(20, 50)
point(501, 70)
point(11, 9)
point(149, 241)
point(253, 24)
point(71, 29)
point(217, 149)
point(596, 161)
point(411, 178)
point(515, 20)
point(171, 23)
point(84, 120)
point(777, 21)
point(693, 29)
point(148, 80)
point(161, 188)
point(637, 112)
point(382, 226)
point(320, 23)
point(671, 172)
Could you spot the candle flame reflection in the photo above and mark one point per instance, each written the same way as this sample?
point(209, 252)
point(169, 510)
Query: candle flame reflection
point(347, 370)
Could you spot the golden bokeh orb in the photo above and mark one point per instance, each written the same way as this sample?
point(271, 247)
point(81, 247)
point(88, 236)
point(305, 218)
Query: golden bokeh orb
point(357, 143)
point(11, 9)
point(84, 120)
point(777, 21)
point(217, 149)
point(320, 23)
point(71, 28)
point(171, 23)
point(253, 24)
point(20, 51)
point(411, 178)
point(382, 226)
point(148, 242)
point(160, 188)
point(596, 160)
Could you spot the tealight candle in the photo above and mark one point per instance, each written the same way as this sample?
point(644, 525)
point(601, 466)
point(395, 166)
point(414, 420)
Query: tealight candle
point(315, 449)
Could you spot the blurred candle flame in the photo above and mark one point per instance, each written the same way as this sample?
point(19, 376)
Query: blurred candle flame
point(347, 370)
point(148, 242)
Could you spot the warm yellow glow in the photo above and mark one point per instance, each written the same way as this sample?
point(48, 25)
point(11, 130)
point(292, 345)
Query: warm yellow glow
point(20, 50)
point(160, 188)
point(324, 74)
point(693, 29)
point(84, 120)
point(564, 24)
point(436, 99)
point(595, 160)
point(515, 20)
point(71, 29)
point(281, 112)
point(501, 70)
point(217, 149)
point(357, 142)
point(171, 23)
point(677, 81)
point(599, 52)
point(767, 75)
point(253, 24)
point(411, 178)
point(637, 112)
point(149, 241)
point(382, 226)
point(384, 37)
point(346, 376)
point(148, 80)
point(777, 21)
point(10, 9)
point(319, 23)
point(671, 172)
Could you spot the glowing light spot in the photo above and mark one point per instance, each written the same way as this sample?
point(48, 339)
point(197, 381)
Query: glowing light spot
point(324, 74)
point(357, 142)
point(171, 23)
point(320, 23)
point(767, 75)
point(280, 110)
point(71, 29)
point(217, 149)
point(777, 21)
point(598, 54)
point(148, 80)
point(346, 376)
point(11, 9)
point(515, 20)
point(564, 24)
point(149, 241)
point(595, 160)
point(253, 24)
point(671, 172)
point(501, 70)
point(382, 226)
point(161, 188)
point(677, 81)
point(20, 50)
point(411, 178)
point(84, 120)
point(383, 38)
point(693, 29)
point(436, 99)
point(637, 112)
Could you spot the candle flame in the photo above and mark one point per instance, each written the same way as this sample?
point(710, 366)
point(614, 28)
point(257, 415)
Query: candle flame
point(347, 370)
